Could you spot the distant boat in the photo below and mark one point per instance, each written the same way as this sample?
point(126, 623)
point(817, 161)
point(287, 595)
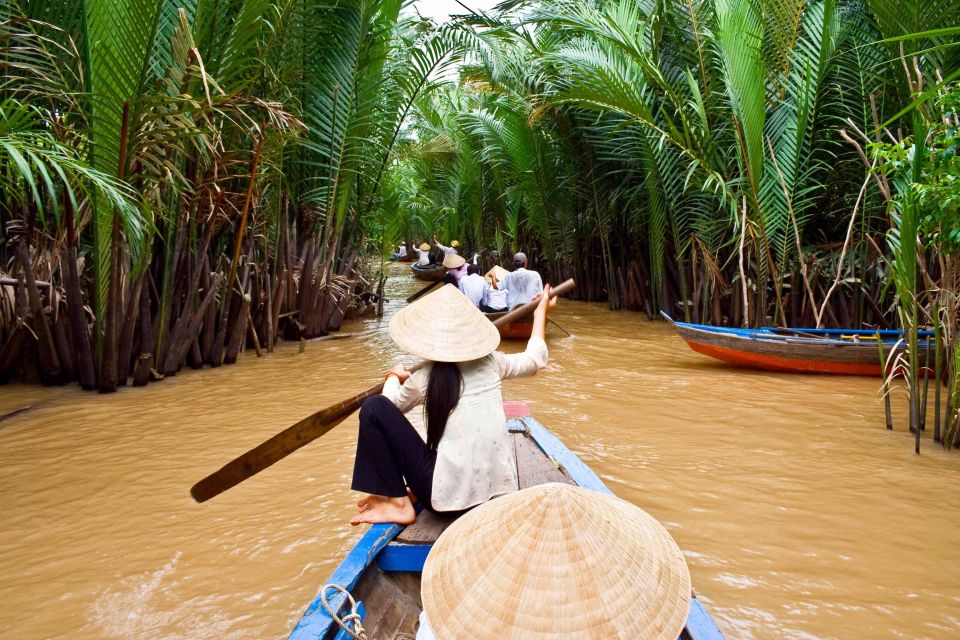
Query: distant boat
point(517, 330)
point(798, 350)
point(430, 272)
point(383, 569)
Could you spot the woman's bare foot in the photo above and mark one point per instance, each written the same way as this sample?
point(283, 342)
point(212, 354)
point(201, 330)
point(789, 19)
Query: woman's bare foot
point(397, 510)
point(364, 503)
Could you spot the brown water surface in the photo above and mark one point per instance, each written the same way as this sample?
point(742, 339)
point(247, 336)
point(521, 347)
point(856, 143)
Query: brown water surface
point(800, 515)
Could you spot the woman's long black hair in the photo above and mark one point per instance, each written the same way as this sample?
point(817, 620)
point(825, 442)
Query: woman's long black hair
point(443, 393)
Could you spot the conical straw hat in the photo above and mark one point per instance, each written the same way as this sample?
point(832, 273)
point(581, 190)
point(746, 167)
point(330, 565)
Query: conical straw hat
point(453, 261)
point(498, 270)
point(424, 247)
point(553, 562)
point(455, 244)
point(444, 326)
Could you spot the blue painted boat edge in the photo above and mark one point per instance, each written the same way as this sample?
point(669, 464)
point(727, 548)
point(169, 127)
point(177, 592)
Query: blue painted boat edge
point(890, 335)
point(316, 622)
point(699, 625)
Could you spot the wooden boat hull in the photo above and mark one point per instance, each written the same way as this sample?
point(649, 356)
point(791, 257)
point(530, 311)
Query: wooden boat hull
point(519, 330)
point(430, 273)
point(383, 569)
point(836, 351)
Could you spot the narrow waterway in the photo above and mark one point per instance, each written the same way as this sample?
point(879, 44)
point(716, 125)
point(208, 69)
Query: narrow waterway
point(800, 515)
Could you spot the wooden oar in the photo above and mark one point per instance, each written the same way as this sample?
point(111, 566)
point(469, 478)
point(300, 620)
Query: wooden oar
point(314, 426)
point(424, 290)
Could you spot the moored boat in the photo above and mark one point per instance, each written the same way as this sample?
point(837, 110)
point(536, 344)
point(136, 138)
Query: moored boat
point(799, 350)
point(430, 272)
point(383, 569)
point(517, 330)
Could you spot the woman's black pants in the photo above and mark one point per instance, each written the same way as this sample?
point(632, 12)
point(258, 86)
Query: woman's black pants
point(391, 455)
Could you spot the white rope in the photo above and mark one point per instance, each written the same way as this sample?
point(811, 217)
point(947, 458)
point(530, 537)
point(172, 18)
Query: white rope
point(357, 632)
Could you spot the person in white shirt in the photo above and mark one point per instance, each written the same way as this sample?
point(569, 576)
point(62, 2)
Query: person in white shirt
point(424, 252)
point(402, 251)
point(494, 300)
point(452, 249)
point(472, 285)
point(468, 457)
point(522, 285)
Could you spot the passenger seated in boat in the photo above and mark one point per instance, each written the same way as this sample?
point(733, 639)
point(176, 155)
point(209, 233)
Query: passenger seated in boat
point(468, 457)
point(473, 285)
point(522, 284)
point(424, 252)
point(494, 299)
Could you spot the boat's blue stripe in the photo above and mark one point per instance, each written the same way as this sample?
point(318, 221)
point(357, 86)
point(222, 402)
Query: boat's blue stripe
point(699, 625)
point(316, 623)
point(893, 334)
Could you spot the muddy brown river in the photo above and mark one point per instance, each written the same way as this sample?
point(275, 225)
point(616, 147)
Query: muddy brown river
point(800, 515)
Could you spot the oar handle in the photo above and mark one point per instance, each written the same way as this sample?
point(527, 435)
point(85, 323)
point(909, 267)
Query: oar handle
point(526, 309)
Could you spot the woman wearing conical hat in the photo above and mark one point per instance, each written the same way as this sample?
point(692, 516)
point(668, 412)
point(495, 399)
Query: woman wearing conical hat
point(452, 249)
point(423, 251)
point(468, 457)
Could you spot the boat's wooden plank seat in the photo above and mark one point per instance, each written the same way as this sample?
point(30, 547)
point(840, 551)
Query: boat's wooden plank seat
point(426, 529)
point(533, 468)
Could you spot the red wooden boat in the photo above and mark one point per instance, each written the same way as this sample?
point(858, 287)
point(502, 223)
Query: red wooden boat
point(835, 351)
point(518, 330)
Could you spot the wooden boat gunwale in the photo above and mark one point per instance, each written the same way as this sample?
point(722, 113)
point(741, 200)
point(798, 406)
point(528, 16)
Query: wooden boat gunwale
point(517, 330)
point(316, 623)
point(429, 273)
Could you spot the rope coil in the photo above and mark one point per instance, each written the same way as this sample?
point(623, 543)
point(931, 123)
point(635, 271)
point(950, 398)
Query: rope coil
point(357, 632)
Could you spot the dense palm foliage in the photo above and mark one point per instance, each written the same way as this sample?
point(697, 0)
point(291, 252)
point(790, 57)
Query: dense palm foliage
point(191, 174)
point(718, 159)
point(185, 177)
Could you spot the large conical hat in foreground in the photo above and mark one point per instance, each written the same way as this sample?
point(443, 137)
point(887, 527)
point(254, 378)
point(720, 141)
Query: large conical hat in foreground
point(553, 562)
point(445, 327)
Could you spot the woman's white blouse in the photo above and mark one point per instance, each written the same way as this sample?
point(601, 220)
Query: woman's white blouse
point(475, 458)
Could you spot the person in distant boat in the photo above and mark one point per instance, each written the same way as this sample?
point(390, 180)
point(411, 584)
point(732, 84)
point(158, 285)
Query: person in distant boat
point(472, 285)
point(468, 457)
point(522, 284)
point(402, 251)
point(494, 300)
point(456, 269)
point(452, 249)
point(423, 251)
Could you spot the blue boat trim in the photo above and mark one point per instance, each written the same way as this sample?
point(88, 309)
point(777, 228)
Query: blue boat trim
point(316, 622)
point(891, 336)
point(403, 557)
point(378, 545)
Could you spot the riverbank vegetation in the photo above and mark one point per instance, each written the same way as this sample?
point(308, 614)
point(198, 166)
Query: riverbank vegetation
point(192, 176)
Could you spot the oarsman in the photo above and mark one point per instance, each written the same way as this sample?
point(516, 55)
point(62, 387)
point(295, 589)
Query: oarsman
point(472, 285)
point(452, 249)
point(424, 252)
point(494, 300)
point(522, 284)
point(402, 251)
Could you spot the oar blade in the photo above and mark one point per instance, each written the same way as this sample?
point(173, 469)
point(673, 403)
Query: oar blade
point(278, 447)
